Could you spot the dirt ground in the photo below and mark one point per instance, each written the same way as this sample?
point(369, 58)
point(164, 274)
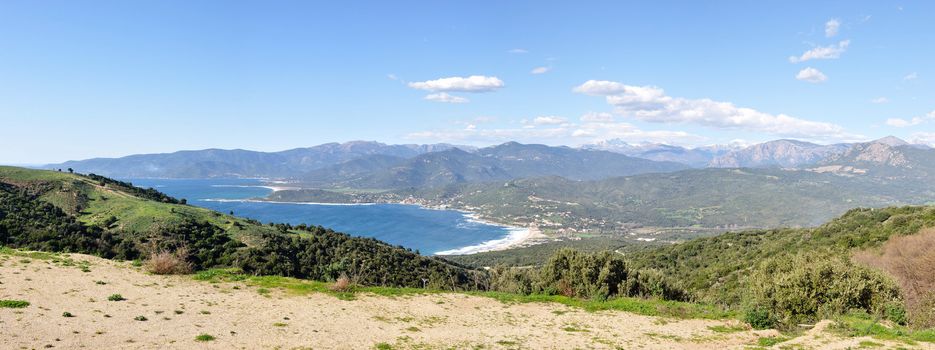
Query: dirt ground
point(171, 311)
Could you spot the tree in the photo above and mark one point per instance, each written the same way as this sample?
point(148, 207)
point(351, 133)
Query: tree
point(71, 171)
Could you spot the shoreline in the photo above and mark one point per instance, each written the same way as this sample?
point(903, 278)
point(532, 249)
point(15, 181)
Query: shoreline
point(516, 236)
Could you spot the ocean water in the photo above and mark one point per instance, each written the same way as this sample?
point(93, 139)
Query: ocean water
point(427, 230)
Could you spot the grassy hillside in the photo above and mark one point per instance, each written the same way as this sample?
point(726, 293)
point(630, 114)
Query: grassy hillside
point(731, 269)
point(68, 212)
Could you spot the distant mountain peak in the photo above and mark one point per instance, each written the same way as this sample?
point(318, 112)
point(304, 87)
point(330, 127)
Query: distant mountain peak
point(892, 141)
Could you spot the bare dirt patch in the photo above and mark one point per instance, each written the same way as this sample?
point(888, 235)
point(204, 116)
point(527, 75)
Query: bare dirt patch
point(159, 311)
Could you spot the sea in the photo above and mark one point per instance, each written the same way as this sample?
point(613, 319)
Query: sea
point(429, 231)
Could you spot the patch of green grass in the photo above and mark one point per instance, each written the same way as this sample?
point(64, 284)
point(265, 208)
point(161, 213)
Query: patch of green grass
point(28, 254)
point(647, 307)
point(664, 336)
point(279, 324)
point(413, 329)
point(383, 346)
point(116, 297)
point(204, 337)
point(67, 314)
point(866, 344)
point(859, 324)
point(141, 318)
point(770, 341)
point(574, 329)
point(728, 329)
point(13, 304)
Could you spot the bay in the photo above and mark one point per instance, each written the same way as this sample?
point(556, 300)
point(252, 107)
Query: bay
point(429, 231)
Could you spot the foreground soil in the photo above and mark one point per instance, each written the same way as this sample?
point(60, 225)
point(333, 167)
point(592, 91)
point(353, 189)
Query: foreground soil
point(172, 311)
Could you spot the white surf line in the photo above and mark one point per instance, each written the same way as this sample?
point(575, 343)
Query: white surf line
point(222, 200)
point(514, 236)
point(273, 188)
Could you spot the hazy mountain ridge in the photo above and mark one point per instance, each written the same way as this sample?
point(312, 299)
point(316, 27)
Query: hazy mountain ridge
point(243, 163)
point(779, 153)
point(698, 157)
point(783, 153)
point(502, 162)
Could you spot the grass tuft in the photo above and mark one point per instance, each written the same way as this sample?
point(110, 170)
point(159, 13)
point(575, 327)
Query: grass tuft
point(13, 304)
point(204, 337)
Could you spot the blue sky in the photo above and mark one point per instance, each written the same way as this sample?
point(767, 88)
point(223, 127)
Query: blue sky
point(110, 78)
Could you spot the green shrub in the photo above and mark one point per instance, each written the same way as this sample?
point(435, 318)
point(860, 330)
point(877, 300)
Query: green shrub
point(811, 286)
point(601, 276)
point(758, 318)
point(14, 304)
point(116, 297)
point(141, 318)
point(896, 312)
point(67, 314)
point(204, 337)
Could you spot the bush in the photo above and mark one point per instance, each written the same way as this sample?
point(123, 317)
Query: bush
point(811, 286)
point(601, 276)
point(342, 284)
point(14, 304)
point(909, 259)
point(169, 263)
point(758, 318)
point(116, 297)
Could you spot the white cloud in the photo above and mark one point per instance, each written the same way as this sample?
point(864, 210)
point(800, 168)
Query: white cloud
point(392, 77)
point(822, 52)
point(564, 133)
point(880, 100)
point(540, 70)
point(651, 104)
point(832, 27)
point(474, 83)
point(597, 117)
point(902, 123)
point(549, 120)
point(518, 51)
point(811, 75)
point(445, 97)
point(911, 76)
point(927, 138)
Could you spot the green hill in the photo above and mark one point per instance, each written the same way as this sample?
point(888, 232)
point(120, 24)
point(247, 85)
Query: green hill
point(59, 211)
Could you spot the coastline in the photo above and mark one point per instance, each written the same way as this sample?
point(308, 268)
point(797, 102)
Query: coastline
point(517, 236)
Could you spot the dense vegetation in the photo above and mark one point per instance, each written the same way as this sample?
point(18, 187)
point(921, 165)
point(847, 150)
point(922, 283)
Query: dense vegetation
point(147, 193)
point(591, 276)
point(741, 269)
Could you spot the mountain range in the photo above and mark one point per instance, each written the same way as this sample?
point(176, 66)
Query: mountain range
point(502, 162)
point(218, 163)
point(368, 164)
